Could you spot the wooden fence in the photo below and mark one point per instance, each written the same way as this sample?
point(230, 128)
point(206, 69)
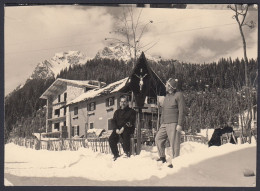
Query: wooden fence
point(96, 144)
point(101, 144)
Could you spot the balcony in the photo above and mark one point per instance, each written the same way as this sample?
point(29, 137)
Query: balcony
point(56, 119)
point(59, 104)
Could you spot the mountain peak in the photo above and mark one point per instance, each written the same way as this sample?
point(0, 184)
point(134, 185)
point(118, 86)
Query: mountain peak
point(119, 52)
point(51, 68)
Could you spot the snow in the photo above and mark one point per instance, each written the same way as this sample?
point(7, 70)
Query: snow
point(96, 131)
point(63, 60)
point(7, 182)
point(111, 88)
point(203, 132)
point(85, 163)
point(60, 61)
point(82, 82)
point(121, 52)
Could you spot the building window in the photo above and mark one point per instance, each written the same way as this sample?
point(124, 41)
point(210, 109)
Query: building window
point(65, 96)
point(57, 126)
point(65, 110)
point(76, 110)
point(75, 130)
point(110, 101)
point(91, 126)
point(58, 98)
point(92, 106)
point(57, 112)
point(110, 124)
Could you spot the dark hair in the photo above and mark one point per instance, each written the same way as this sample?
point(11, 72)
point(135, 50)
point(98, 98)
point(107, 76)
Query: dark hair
point(124, 97)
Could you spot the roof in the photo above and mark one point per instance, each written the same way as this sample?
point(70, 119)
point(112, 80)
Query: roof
point(152, 84)
point(56, 85)
point(111, 88)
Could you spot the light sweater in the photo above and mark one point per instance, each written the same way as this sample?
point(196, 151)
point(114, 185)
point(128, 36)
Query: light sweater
point(173, 109)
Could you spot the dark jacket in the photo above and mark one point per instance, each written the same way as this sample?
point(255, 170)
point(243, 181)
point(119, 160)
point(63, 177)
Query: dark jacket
point(124, 118)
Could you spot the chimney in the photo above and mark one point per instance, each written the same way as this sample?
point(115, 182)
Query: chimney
point(99, 84)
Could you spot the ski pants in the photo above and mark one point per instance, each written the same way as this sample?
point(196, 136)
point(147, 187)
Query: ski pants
point(168, 131)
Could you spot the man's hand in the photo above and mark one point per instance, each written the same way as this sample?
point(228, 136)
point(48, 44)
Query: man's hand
point(121, 130)
point(128, 124)
point(179, 128)
point(117, 131)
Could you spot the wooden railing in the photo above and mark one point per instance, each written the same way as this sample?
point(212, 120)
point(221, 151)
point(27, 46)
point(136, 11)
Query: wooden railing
point(96, 144)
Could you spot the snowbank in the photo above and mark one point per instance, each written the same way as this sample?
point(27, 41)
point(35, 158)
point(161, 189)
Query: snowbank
point(85, 163)
point(7, 182)
point(203, 132)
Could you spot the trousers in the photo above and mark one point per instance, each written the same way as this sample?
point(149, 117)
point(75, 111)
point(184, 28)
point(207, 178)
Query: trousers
point(114, 139)
point(168, 131)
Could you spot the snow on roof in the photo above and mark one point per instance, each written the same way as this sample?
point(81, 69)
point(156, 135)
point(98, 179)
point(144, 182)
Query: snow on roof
point(89, 83)
point(111, 88)
point(59, 81)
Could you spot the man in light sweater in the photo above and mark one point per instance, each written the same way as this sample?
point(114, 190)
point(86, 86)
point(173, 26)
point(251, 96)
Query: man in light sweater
point(172, 118)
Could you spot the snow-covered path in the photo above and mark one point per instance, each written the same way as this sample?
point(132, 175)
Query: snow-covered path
point(198, 165)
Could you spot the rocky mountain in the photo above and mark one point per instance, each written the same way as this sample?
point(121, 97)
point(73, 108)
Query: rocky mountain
point(50, 68)
point(119, 52)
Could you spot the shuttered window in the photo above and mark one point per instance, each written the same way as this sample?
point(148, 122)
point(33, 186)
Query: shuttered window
point(65, 96)
point(92, 106)
point(72, 131)
point(75, 130)
point(110, 101)
point(76, 110)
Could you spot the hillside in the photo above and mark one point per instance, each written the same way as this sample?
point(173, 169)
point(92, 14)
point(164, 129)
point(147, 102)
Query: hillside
point(219, 81)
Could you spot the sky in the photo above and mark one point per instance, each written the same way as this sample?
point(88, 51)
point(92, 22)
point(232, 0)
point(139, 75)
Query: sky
point(197, 34)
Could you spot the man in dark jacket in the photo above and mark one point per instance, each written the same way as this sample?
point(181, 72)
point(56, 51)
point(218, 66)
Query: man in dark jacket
point(124, 126)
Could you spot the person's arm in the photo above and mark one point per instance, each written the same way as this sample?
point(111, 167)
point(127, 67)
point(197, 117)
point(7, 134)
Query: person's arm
point(181, 108)
point(114, 121)
point(131, 121)
point(161, 108)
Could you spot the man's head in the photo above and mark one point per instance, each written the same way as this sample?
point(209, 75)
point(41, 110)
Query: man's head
point(171, 85)
point(123, 102)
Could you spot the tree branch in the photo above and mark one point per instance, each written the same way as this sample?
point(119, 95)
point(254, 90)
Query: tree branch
point(244, 15)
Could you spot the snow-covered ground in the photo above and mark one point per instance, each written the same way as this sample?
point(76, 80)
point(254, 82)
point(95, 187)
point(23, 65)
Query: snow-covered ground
point(85, 163)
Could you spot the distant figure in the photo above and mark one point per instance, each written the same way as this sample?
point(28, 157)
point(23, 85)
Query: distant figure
point(124, 127)
point(172, 118)
point(215, 138)
point(218, 133)
point(141, 83)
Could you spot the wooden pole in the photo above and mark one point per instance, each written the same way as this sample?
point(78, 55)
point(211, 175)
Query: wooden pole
point(139, 115)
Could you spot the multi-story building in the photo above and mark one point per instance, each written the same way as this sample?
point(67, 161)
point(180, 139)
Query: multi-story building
point(58, 95)
point(79, 106)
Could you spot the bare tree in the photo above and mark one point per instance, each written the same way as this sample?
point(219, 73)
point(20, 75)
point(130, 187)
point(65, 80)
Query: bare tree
point(241, 12)
point(130, 31)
